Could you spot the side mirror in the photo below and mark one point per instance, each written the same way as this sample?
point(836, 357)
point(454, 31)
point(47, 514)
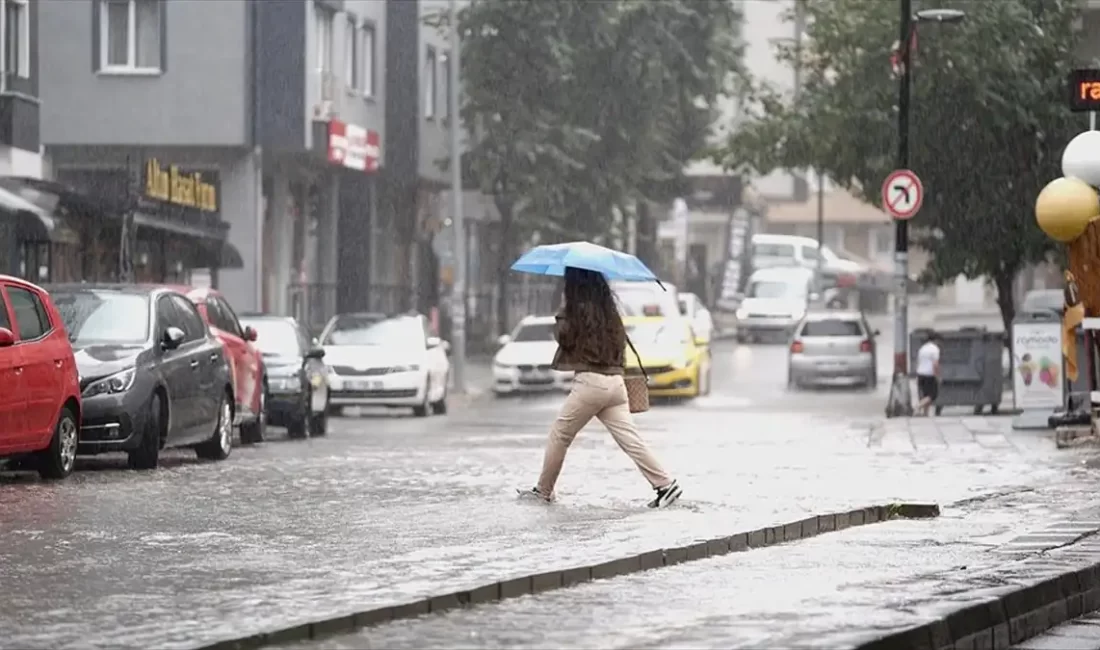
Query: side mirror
point(7, 338)
point(433, 342)
point(250, 334)
point(504, 339)
point(172, 339)
point(316, 352)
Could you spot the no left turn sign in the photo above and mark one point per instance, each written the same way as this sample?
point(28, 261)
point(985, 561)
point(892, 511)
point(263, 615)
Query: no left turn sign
point(902, 194)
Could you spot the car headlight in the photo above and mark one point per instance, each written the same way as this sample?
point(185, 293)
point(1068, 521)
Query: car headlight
point(120, 382)
point(288, 383)
point(502, 367)
point(741, 313)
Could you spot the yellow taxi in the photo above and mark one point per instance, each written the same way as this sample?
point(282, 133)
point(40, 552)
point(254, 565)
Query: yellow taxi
point(677, 364)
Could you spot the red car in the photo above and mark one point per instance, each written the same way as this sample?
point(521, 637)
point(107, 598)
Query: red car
point(246, 364)
point(39, 386)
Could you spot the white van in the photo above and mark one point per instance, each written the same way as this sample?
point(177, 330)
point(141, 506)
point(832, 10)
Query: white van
point(772, 251)
point(775, 301)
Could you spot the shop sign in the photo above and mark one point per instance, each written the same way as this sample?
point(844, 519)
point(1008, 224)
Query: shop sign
point(185, 188)
point(353, 146)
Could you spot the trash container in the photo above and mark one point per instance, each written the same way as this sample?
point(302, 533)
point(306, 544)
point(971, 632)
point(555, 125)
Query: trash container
point(971, 372)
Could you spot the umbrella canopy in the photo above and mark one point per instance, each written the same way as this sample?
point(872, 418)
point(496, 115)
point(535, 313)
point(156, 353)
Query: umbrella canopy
point(552, 260)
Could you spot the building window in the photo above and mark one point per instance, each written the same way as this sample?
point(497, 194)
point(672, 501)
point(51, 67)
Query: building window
point(366, 44)
point(351, 53)
point(429, 83)
point(130, 32)
point(324, 19)
point(17, 38)
point(445, 63)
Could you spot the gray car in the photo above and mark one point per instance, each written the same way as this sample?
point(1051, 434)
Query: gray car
point(833, 345)
point(151, 373)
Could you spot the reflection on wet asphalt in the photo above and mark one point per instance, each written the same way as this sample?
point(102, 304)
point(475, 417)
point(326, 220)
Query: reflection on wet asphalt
point(833, 591)
point(388, 508)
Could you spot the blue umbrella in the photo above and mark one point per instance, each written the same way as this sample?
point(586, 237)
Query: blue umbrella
point(552, 260)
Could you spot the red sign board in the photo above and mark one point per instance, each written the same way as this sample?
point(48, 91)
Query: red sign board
point(353, 146)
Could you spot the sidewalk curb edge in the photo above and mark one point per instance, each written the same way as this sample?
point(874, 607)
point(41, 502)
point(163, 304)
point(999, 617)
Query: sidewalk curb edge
point(1002, 622)
point(562, 578)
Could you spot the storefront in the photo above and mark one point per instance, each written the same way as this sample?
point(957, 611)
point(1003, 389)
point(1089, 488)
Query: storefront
point(153, 223)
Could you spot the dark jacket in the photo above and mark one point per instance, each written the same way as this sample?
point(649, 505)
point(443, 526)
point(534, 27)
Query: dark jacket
point(574, 354)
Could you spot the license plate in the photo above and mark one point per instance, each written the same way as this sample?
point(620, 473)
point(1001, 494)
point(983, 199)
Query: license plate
point(535, 374)
point(366, 385)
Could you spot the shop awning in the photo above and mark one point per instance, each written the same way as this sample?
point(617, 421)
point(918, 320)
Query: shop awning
point(32, 221)
point(231, 257)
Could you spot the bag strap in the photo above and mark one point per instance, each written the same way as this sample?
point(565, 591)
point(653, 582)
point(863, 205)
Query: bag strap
point(639, 358)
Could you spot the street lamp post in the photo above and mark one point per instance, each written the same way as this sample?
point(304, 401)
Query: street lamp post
point(901, 402)
point(458, 220)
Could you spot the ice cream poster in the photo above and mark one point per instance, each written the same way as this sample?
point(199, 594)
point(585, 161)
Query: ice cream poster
point(1038, 382)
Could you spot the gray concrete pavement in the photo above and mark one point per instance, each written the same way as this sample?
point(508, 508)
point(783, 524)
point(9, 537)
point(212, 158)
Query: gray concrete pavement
point(1079, 634)
point(388, 508)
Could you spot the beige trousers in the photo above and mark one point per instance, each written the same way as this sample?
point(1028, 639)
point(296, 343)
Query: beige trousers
point(602, 397)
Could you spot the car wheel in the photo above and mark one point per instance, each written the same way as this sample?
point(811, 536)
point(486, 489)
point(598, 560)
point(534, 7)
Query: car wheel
point(57, 460)
point(254, 431)
point(296, 426)
point(423, 410)
point(147, 454)
point(220, 444)
point(440, 407)
point(939, 410)
point(318, 425)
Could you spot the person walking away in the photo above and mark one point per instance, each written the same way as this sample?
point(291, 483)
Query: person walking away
point(591, 343)
point(928, 373)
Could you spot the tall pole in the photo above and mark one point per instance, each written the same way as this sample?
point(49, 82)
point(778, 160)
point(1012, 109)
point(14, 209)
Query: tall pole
point(458, 221)
point(820, 221)
point(900, 399)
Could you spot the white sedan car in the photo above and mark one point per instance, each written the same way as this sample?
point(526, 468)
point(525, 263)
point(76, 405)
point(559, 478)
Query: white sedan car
point(523, 362)
point(374, 360)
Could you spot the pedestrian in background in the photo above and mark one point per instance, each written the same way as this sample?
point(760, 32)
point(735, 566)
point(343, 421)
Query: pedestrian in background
point(928, 373)
point(591, 343)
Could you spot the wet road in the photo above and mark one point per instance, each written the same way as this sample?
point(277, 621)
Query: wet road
point(389, 508)
point(832, 591)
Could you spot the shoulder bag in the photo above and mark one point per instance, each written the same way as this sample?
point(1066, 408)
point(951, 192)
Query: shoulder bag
point(637, 387)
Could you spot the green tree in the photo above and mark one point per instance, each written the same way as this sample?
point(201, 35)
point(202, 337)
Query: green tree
point(579, 108)
point(988, 123)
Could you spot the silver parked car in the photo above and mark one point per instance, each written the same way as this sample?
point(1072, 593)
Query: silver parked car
point(833, 345)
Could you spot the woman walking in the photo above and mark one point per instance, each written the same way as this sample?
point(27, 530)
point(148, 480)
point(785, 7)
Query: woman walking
point(591, 341)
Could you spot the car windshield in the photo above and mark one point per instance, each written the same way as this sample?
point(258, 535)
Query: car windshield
point(653, 332)
point(397, 332)
point(646, 299)
point(94, 317)
point(534, 332)
point(275, 338)
point(1052, 299)
point(773, 289)
point(832, 327)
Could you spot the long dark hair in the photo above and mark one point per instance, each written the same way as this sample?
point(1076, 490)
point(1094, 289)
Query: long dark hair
point(592, 313)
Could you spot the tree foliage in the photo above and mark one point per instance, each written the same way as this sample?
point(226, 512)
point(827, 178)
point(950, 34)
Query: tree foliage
point(579, 108)
point(988, 122)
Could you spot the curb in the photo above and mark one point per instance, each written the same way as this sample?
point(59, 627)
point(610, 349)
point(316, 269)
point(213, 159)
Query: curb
point(1002, 622)
point(559, 579)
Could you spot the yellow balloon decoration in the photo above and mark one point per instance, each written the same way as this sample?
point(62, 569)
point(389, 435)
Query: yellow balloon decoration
point(1065, 207)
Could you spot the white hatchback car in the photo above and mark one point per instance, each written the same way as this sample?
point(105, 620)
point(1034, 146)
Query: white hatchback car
point(396, 361)
point(523, 362)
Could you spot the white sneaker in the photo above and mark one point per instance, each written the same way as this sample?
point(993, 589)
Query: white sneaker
point(666, 495)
